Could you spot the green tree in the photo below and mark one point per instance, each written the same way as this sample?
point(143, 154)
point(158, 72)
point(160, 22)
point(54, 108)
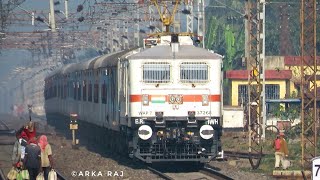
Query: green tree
point(225, 32)
point(229, 46)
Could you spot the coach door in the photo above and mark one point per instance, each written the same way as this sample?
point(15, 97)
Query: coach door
point(123, 91)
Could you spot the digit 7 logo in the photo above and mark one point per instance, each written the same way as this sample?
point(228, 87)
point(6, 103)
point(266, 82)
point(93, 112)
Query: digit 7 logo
point(318, 166)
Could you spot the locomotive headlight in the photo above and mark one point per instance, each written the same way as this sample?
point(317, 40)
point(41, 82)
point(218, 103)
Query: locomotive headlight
point(179, 99)
point(145, 132)
point(205, 100)
point(172, 99)
point(206, 131)
point(175, 99)
point(145, 99)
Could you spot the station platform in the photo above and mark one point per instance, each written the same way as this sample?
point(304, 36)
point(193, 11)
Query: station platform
point(291, 174)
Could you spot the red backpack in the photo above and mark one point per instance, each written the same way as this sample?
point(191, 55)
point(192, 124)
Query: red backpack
point(277, 144)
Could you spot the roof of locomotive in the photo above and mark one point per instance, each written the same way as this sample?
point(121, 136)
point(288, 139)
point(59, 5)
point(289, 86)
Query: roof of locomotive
point(185, 52)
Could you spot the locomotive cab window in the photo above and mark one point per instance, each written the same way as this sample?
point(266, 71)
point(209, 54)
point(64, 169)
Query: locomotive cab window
point(156, 72)
point(191, 72)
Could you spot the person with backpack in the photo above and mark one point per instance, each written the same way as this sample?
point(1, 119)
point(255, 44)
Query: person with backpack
point(281, 150)
point(32, 160)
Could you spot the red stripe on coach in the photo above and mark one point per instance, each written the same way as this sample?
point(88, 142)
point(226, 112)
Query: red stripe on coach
point(186, 98)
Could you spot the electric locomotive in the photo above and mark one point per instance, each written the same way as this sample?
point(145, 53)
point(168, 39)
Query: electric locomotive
point(175, 102)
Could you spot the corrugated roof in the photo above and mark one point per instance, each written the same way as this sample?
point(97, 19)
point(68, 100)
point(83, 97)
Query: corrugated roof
point(185, 52)
point(110, 59)
point(69, 68)
point(270, 74)
point(296, 60)
point(94, 63)
point(86, 65)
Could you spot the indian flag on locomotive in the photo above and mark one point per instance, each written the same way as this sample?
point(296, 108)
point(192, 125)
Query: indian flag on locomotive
point(158, 99)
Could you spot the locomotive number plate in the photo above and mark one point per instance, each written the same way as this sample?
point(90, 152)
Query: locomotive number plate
point(203, 112)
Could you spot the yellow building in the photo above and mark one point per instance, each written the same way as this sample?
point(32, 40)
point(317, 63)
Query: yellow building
point(283, 76)
point(278, 85)
point(293, 63)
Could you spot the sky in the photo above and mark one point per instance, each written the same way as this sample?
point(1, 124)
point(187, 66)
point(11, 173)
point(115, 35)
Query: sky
point(9, 59)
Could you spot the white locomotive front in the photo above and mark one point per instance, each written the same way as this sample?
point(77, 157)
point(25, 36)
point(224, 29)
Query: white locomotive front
point(173, 101)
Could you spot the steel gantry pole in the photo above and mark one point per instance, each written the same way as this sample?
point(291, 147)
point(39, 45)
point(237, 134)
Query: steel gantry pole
point(151, 18)
point(189, 7)
point(255, 62)
point(201, 22)
point(51, 18)
point(308, 88)
point(137, 31)
point(262, 56)
point(66, 11)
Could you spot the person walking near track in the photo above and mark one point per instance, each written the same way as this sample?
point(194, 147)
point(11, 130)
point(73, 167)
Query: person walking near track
point(46, 155)
point(32, 159)
point(281, 150)
point(18, 152)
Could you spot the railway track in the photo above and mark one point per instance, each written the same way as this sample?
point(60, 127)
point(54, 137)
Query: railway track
point(210, 171)
point(59, 176)
point(160, 174)
point(206, 172)
point(3, 126)
point(242, 155)
point(5, 130)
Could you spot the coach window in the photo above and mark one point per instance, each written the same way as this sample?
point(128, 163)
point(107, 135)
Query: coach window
point(156, 72)
point(54, 91)
point(61, 90)
point(191, 72)
point(90, 92)
point(104, 93)
point(74, 90)
point(64, 90)
point(79, 91)
point(84, 91)
point(58, 90)
point(96, 93)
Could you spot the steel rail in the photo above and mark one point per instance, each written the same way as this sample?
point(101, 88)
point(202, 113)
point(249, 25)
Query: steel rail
point(209, 171)
point(242, 154)
point(4, 125)
point(160, 174)
point(2, 176)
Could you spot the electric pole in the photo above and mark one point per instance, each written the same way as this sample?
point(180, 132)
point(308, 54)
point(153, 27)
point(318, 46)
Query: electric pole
point(52, 19)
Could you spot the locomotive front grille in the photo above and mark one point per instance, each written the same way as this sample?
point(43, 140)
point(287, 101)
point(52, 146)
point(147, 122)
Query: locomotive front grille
point(159, 151)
